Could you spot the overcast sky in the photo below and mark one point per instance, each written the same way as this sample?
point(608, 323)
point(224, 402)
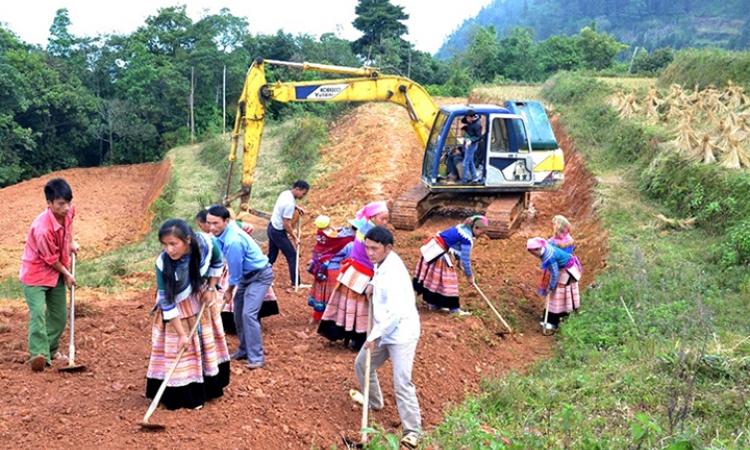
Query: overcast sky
point(430, 21)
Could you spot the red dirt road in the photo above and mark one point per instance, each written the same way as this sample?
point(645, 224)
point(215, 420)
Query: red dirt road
point(301, 401)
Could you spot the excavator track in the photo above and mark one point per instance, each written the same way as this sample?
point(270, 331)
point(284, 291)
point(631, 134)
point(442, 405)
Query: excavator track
point(504, 213)
point(407, 212)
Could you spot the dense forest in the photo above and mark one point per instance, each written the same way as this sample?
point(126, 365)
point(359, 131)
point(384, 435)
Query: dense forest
point(122, 99)
point(651, 24)
point(117, 99)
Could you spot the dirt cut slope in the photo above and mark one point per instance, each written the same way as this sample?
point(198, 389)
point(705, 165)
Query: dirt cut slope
point(111, 208)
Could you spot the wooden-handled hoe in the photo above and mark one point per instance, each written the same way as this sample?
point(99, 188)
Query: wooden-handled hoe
point(72, 367)
point(153, 426)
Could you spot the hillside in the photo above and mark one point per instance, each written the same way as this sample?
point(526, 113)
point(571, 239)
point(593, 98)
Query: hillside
point(650, 24)
point(301, 401)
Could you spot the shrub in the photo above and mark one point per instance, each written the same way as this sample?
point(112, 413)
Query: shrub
point(707, 66)
point(299, 151)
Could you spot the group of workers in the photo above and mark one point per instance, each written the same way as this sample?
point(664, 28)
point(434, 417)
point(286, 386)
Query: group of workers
point(362, 292)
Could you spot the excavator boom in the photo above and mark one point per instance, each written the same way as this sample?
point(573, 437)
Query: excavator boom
point(370, 86)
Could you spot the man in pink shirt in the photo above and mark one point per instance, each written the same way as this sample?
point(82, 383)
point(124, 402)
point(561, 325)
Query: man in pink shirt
point(45, 273)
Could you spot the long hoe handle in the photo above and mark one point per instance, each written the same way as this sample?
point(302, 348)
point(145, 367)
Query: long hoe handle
point(366, 394)
point(72, 348)
point(368, 366)
point(493, 308)
point(546, 314)
point(163, 386)
point(296, 275)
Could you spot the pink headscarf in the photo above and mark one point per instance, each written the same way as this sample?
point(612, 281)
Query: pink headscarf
point(535, 243)
point(372, 210)
point(469, 222)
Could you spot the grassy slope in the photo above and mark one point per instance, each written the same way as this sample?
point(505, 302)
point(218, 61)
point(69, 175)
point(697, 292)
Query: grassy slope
point(670, 371)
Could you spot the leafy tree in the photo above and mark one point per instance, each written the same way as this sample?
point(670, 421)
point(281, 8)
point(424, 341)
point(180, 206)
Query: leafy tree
point(482, 55)
point(280, 46)
point(14, 99)
point(653, 62)
point(459, 83)
point(559, 53)
point(60, 42)
point(598, 50)
point(168, 33)
point(377, 20)
point(517, 56)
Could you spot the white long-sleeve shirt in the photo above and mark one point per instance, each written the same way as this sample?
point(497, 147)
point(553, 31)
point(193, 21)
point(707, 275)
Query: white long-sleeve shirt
point(395, 316)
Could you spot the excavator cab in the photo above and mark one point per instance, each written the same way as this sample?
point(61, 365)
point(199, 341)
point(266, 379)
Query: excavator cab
point(507, 158)
point(514, 158)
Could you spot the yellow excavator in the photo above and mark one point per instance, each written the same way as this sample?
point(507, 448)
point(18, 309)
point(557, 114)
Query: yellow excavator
point(516, 154)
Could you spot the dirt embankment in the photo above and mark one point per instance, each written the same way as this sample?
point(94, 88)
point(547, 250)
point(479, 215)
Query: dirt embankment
point(111, 208)
point(301, 401)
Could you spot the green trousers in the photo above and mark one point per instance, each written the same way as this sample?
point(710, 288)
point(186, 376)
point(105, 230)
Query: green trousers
point(48, 313)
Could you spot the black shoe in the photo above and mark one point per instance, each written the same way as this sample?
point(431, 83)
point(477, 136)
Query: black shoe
point(237, 357)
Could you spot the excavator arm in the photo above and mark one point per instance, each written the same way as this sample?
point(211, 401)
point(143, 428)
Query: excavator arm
point(364, 85)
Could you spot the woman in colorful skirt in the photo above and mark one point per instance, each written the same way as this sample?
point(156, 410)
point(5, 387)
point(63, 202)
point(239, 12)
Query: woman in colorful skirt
point(435, 277)
point(331, 247)
point(561, 239)
point(345, 316)
point(564, 272)
point(187, 272)
point(269, 308)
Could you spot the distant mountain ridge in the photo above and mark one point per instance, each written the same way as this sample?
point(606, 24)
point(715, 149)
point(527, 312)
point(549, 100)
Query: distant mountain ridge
point(645, 23)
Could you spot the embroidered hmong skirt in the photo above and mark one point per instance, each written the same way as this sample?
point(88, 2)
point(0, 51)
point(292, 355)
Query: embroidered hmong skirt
point(345, 315)
point(437, 283)
point(566, 297)
point(321, 291)
point(203, 371)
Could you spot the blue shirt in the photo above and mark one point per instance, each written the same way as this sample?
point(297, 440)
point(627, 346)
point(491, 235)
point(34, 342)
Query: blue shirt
point(242, 253)
point(554, 259)
point(460, 239)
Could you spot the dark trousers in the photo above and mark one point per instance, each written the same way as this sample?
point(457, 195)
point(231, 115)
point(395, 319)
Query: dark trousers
point(279, 240)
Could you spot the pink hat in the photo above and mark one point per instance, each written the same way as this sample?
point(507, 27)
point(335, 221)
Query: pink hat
point(535, 243)
point(372, 210)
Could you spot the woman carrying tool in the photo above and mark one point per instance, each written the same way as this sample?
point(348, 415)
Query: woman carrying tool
point(345, 316)
point(435, 277)
point(332, 245)
point(562, 288)
point(187, 272)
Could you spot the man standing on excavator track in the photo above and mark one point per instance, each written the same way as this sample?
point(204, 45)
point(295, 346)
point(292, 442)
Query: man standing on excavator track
point(280, 227)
